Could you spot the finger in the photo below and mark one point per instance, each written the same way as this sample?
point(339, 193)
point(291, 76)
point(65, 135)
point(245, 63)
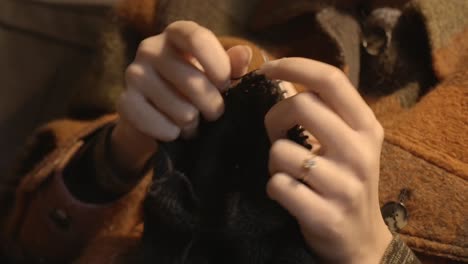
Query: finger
point(194, 62)
point(298, 199)
point(134, 109)
point(190, 130)
point(311, 113)
point(330, 83)
point(288, 157)
point(190, 82)
point(201, 43)
point(160, 94)
point(288, 89)
point(313, 141)
point(240, 57)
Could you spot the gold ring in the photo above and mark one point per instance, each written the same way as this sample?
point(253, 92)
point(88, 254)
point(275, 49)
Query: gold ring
point(308, 164)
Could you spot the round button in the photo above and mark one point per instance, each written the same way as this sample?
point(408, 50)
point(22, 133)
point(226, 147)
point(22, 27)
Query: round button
point(395, 215)
point(376, 42)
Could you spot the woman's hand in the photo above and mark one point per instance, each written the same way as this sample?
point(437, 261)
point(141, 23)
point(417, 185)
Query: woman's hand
point(175, 76)
point(333, 196)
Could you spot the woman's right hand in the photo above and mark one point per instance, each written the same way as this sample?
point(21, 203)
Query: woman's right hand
point(176, 76)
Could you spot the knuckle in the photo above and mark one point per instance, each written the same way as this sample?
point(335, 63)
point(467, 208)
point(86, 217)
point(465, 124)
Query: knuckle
point(188, 116)
point(134, 73)
point(144, 48)
point(179, 25)
point(214, 111)
point(273, 186)
point(170, 135)
point(278, 148)
point(194, 37)
point(335, 75)
point(199, 37)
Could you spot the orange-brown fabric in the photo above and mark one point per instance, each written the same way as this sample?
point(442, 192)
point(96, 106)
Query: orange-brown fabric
point(114, 248)
point(140, 14)
point(42, 192)
point(425, 148)
point(426, 145)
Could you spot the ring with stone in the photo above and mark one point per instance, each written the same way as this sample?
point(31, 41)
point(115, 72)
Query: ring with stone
point(308, 164)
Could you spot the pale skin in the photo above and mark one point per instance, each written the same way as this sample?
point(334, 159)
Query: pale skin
point(179, 75)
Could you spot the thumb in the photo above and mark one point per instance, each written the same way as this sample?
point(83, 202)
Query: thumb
point(240, 57)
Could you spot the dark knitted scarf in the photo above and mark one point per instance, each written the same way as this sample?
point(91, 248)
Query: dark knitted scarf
point(207, 202)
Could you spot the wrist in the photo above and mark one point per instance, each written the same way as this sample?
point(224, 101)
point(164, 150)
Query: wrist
point(375, 249)
point(130, 149)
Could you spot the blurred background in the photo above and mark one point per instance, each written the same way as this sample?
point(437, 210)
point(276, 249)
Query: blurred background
point(44, 46)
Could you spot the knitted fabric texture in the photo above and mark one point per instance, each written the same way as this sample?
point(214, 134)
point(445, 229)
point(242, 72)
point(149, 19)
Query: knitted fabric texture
point(208, 204)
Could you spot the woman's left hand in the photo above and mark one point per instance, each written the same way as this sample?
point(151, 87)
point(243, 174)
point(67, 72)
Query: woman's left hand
point(333, 196)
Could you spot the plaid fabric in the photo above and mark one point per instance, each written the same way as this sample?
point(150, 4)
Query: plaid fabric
point(398, 253)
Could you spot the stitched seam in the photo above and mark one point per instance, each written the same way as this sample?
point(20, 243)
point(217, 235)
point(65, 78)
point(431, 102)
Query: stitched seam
point(391, 138)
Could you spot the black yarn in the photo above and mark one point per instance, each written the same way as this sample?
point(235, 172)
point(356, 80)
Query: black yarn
point(208, 204)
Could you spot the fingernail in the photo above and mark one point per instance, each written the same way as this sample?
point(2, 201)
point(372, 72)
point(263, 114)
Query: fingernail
point(265, 66)
point(246, 65)
point(265, 56)
point(266, 59)
point(190, 131)
point(249, 53)
point(226, 86)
